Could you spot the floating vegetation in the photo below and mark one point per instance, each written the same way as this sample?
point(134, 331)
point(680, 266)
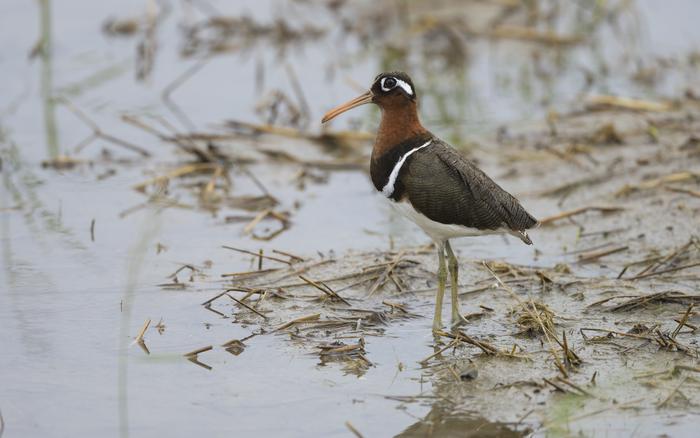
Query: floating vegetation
point(535, 319)
point(225, 34)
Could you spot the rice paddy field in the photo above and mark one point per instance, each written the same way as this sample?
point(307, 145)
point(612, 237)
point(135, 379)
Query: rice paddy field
point(187, 251)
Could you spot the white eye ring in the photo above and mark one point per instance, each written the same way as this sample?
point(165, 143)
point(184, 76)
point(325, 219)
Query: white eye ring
point(390, 86)
point(398, 82)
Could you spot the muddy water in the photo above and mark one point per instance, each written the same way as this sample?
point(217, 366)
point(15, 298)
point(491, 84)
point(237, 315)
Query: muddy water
point(70, 306)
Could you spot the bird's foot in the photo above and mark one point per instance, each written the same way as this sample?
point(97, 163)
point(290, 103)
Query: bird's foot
point(437, 327)
point(457, 321)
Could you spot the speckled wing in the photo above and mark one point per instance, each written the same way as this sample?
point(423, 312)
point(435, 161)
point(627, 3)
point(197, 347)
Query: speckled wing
point(448, 188)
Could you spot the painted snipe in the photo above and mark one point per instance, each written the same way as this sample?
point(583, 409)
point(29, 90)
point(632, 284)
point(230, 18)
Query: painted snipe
point(431, 183)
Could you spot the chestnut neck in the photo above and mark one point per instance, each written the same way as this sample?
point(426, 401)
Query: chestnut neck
point(399, 124)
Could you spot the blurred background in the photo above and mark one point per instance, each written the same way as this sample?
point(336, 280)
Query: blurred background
point(140, 135)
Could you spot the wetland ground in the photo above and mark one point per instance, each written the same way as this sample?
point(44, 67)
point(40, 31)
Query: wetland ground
point(185, 250)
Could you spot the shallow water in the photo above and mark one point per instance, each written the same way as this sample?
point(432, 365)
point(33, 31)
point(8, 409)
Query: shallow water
point(70, 307)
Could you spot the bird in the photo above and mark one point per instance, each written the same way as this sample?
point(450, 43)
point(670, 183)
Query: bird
point(432, 184)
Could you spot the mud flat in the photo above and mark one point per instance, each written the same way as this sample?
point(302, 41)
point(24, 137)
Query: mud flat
point(597, 334)
point(185, 251)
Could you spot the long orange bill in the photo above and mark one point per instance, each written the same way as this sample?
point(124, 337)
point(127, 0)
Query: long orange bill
point(359, 100)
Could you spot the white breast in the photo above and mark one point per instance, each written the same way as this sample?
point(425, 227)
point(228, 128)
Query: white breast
point(437, 231)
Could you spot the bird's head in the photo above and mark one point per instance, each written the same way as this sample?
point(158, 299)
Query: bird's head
point(389, 90)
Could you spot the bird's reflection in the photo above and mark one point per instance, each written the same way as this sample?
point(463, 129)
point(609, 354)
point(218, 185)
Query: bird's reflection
point(442, 421)
point(448, 417)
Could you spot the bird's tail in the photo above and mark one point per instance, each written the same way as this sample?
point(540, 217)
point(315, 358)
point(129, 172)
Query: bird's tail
point(522, 235)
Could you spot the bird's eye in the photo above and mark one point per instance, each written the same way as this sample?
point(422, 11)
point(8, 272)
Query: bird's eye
point(388, 83)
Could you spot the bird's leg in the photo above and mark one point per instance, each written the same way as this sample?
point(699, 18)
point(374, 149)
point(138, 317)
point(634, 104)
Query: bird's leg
point(442, 278)
point(457, 318)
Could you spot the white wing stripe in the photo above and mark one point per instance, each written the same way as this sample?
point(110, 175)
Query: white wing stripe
point(388, 189)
